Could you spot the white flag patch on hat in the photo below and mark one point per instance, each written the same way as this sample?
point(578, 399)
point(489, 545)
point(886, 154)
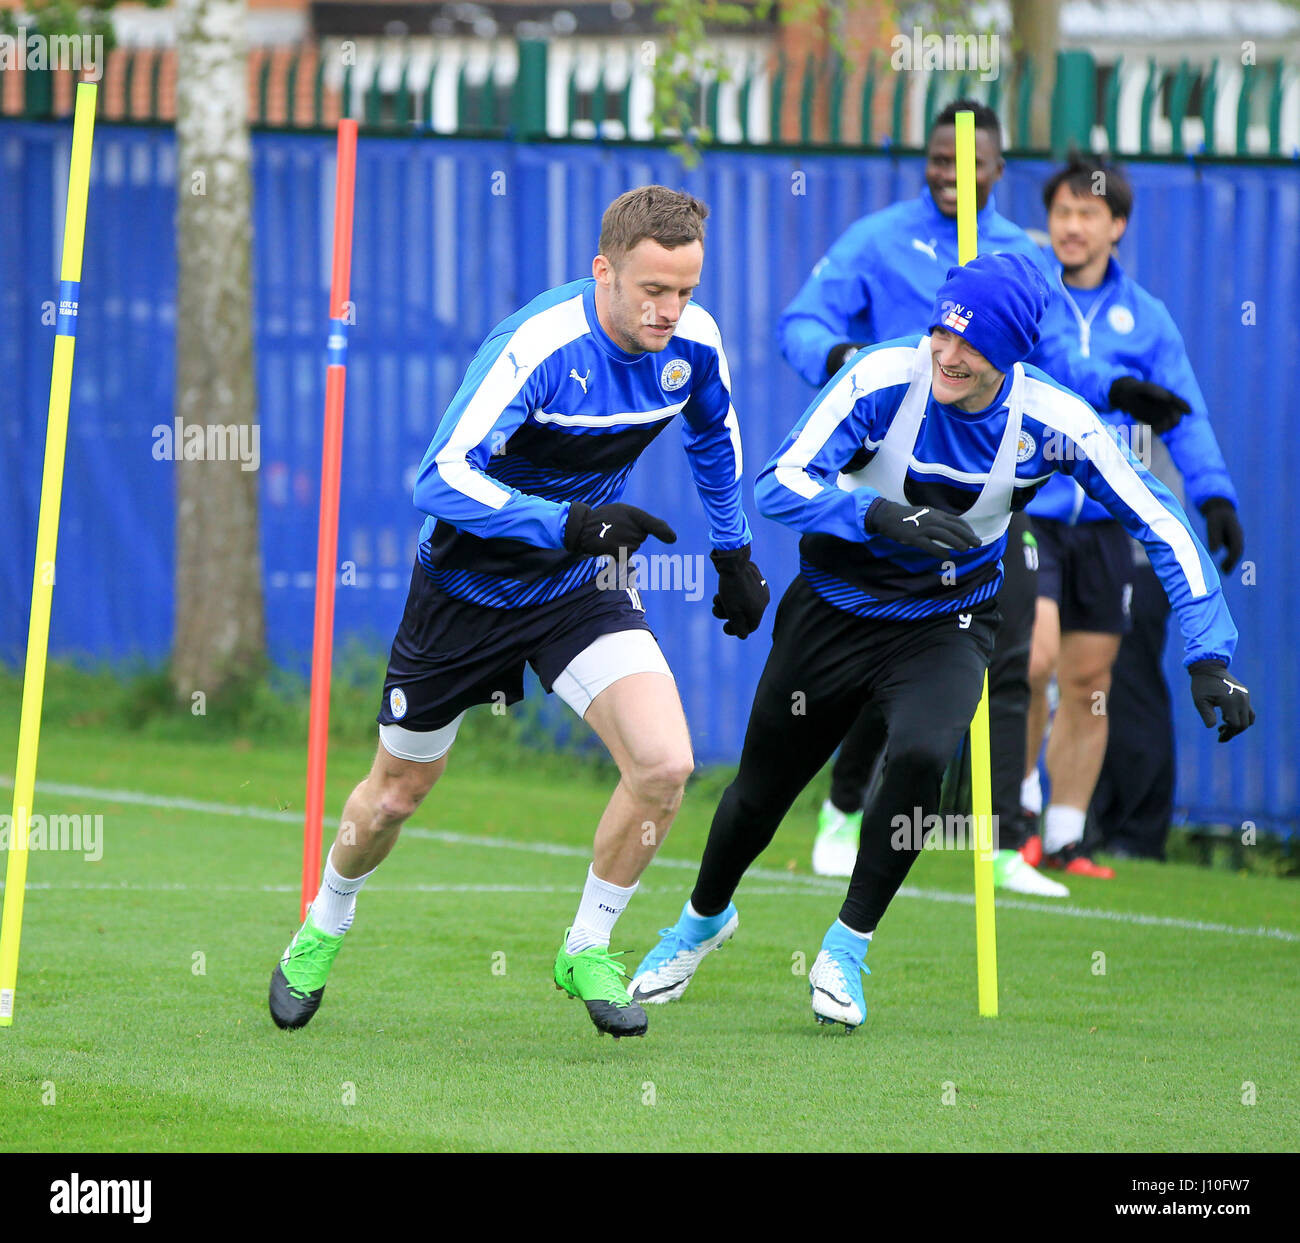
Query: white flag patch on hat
point(958, 319)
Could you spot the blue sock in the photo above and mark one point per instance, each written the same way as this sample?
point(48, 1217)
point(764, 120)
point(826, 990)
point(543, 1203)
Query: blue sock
point(700, 926)
point(854, 943)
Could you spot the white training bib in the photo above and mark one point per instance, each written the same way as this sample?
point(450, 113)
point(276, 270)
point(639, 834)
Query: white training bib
point(990, 516)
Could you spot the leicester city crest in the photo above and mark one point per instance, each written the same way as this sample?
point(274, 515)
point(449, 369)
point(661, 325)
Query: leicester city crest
point(1120, 318)
point(675, 373)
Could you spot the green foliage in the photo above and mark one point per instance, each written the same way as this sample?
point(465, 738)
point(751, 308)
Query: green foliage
point(681, 61)
point(686, 58)
point(1221, 848)
point(275, 707)
point(66, 17)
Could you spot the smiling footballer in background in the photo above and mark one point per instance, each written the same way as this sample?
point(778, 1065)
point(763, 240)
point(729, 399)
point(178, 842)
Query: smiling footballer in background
point(521, 486)
point(1096, 599)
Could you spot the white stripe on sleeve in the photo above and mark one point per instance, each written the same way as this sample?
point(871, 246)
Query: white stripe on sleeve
point(535, 340)
point(697, 325)
point(873, 371)
point(1072, 417)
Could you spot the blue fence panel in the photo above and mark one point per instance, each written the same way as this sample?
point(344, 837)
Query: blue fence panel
point(113, 596)
point(451, 236)
point(1220, 245)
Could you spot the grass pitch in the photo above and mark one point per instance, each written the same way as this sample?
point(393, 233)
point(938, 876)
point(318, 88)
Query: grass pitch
point(1147, 1013)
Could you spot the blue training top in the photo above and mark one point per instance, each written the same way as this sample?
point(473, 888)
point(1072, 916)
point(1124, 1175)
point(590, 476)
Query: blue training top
point(1089, 339)
point(880, 279)
point(876, 430)
point(552, 411)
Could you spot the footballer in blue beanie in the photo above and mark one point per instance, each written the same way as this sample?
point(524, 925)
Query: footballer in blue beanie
point(985, 320)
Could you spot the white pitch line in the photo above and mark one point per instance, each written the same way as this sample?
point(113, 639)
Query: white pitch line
point(789, 883)
point(1118, 917)
point(181, 887)
point(127, 886)
point(168, 803)
point(138, 799)
point(821, 884)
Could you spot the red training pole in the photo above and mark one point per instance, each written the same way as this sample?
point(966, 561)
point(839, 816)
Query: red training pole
point(322, 647)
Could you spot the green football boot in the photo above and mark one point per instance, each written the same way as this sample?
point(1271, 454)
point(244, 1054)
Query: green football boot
point(835, 849)
point(298, 981)
point(595, 977)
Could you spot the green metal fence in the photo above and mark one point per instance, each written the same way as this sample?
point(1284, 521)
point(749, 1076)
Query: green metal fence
point(569, 89)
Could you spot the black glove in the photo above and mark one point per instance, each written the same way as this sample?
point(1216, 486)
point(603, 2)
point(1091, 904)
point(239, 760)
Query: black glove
point(930, 530)
point(1223, 530)
point(742, 592)
point(1148, 403)
point(1213, 688)
point(607, 528)
point(840, 354)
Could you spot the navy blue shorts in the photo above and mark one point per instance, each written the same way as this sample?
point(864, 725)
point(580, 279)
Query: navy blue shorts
point(1088, 570)
point(450, 654)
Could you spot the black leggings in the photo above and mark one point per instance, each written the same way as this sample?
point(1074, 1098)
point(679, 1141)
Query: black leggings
point(1134, 800)
point(923, 677)
point(1008, 702)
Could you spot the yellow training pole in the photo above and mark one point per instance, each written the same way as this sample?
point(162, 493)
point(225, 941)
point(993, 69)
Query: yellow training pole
point(47, 535)
point(981, 785)
point(986, 943)
point(967, 242)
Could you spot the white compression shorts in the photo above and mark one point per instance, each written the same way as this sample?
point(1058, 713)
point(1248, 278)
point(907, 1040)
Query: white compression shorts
point(599, 665)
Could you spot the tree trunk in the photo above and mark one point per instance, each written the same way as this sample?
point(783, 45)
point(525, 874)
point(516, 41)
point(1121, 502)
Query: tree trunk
point(1036, 31)
point(220, 618)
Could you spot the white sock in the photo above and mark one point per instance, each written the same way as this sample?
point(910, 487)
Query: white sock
point(1062, 827)
point(336, 903)
point(862, 936)
point(598, 912)
point(1031, 793)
